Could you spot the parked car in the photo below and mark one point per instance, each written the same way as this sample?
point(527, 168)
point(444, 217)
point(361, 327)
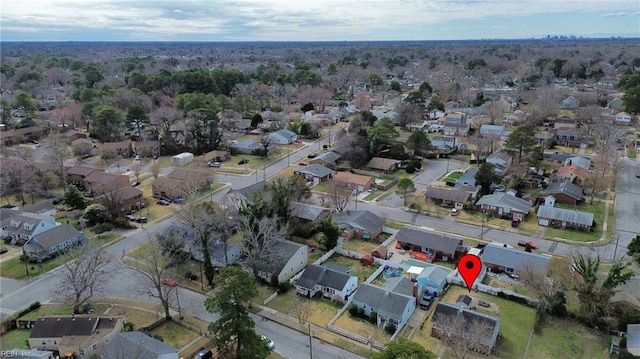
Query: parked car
point(531, 244)
point(204, 353)
point(214, 164)
point(426, 301)
point(179, 200)
point(302, 163)
point(515, 222)
point(142, 220)
point(313, 155)
point(137, 158)
point(163, 202)
point(3, 250)
point(130, 217)
point(136, 183)
point(455, 211)
point(269, 342)
point(638, 174)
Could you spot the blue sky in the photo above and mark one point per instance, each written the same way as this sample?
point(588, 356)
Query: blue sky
point(313, 20)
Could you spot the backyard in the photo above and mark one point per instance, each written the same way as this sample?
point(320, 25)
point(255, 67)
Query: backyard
point(357, 269)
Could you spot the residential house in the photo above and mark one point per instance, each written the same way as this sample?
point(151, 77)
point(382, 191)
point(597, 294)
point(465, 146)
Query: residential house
point(436, 114)
point(633, 339)
point(392, 307)
point(286, 260)
point(42, 208)
point(127, 199)
point(147, 148)
point(72, 135)
point(468, 178)
point(504, 204)
point(314, 173)
point(550, 216)
point(76, 175)
point(20, 135)
point(564, 122)
point(23, 226)
point(167, 187)
point(328, 159)
point(217, 254)
point(237, 196)
point(52, 242)
point(358, 183)
point(491, 130)
point(246, 147)
point(560, 157)
point(139, 346)
point(308, 213)
point(359, 224)
point(571, 173)
point(616, 104)
point(443, 143)
point(385, 165)
point(428, 245)
point(570, 103)
point(81, 335)
point(380, 252)
point(455, 197)
point(120, 148)
point(328, 282)
point(582, 162)
point(283, 137)
point(431, 279)
point(102, 182)
point(192, 179)
point(501, 162)
point(212, 156)
point(623, 118)
point(543, 138)
point(455, 124)
point(498, 258)
point(565, 192)
point(569, 138)
point(442, 328)
point(82, 146)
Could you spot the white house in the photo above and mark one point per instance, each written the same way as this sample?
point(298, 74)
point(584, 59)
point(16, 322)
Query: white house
point(287, 259)
point(284, 137)
point(329, 282)
point(182, 159)
point(623, 118)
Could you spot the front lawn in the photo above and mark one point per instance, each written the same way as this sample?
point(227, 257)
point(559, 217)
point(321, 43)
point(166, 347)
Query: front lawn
point(362, 327)
point(597, 208)
point(175, 334)
point(320, 310)
point(15, 339)
point(452, 177)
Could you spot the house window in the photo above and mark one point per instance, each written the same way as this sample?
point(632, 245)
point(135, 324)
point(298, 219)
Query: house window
point(55, 342)
point(44, 342)
point(95, 346)
point(508, 270)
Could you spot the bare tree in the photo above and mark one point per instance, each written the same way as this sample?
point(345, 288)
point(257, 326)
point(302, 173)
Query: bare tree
point(266, 142)
point(372, 334)
point(18, 178)
point(201, 218)
point(464, 334)
point(408, 113)
point(23, 152)
point(152, 271)
point(56, 152)
point(338, 195)
point(162, 119)
point(83, 275)
point(605, 136)
point(301, 309)
point(155, 170)
point(260, 237)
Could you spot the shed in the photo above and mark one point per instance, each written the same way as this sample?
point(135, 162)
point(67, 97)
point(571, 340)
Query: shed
point(380, 252)
point(182, 159)
point(367, 260)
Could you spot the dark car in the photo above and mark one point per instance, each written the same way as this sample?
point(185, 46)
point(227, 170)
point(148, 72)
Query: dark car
point(204, 353)
point(178, 200)
point(515, 222)
point(312, 155)
point(136, 183)
point(142, 220)
point(3, 250)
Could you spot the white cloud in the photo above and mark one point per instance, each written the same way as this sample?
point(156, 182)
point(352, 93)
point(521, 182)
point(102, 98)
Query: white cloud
point(279, 19)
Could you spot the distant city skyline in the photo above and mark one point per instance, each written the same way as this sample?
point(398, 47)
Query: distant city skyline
point(318, 20)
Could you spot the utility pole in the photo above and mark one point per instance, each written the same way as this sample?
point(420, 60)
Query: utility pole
point(310, 343)
point(615, 250)
point(484, 217)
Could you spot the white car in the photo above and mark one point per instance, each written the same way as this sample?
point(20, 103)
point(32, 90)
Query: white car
point(455, 211)
point(269, 342)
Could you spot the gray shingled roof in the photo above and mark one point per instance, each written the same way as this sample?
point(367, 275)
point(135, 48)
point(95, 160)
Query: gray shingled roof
point(434, 273)
point(468, 178)
point(56, 235)
point(455, 195)
point(633, 336)
point(315, 170)
point(566, 215)
point(560, 157)
point(329, 156)
point(283, 250)
point(78, 325)
point(307, 211)
point(505, 200)
point(430, 240)
point(444, 311)
point(514, 258)
point(567, 188)
point(137, 345)
point(364, 220)
point(246, 192)
point(382, 300)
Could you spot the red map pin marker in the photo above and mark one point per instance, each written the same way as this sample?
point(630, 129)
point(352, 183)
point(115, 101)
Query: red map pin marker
point(469, 267)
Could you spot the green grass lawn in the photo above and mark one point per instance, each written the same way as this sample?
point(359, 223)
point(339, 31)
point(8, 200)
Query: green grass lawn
point(15, 339)
point(175, 334)
point(562, 338)
point(597, 208)
point(631, 153)
point(363, 272)
point(452, 177)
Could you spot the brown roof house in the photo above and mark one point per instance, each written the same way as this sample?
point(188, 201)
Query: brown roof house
point(570, 173)
point(328, 159)
point(432, 243)
point(354, 181)
point(101, 182)
point(77, 175)
point(565, 192)
point(456, 197)
point(121, 148)
point(78, 335)
point(126, 199)
point(72, 135)
point(147, 148)
point(167, 187)
point(385, 165)
point(212, 156)
point(180, 182)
